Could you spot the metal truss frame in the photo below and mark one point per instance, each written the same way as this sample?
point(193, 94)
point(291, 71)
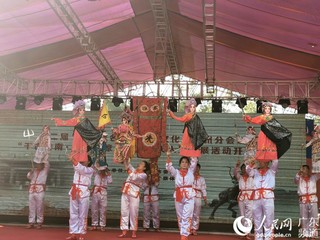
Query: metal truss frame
point(165, 53)
point(72, 22)
point(209, 31)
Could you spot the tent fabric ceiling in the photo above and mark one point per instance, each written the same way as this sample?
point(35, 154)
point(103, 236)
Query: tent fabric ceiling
point(256, 42)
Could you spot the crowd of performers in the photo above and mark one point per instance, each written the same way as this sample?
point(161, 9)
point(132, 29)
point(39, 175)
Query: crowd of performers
point(256, 176)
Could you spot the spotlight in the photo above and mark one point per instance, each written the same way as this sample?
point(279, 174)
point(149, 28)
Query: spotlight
point(3, 99)
point(241, 102)
point(198, 101)
point(173, 105)
point(302, 106)
point(21, 102)
point(259, 106)
point(38, 99)
point(57, 103)
point(95, 104)
point(76, 98)
point(117, 101)
point(284, 102)
point(217, 105)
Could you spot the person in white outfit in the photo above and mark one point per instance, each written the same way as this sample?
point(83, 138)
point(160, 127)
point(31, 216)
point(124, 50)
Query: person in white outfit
point(79, 199)
point(38, 177)
point(264, 179)
point(184, 193)
point(130, 197)
point(245, 196)
point(151, 206)
point(199, 185)
point(308, 202)
point(99, 200)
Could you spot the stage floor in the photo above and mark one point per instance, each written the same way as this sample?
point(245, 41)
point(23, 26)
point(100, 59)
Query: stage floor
point(19, 232)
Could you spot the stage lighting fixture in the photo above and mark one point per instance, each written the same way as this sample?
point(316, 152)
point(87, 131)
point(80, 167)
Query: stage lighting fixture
point(241, 102)
point(217, 105)
point(302, 106)
point(3, 99)
point(117, 101)
point(95, 104)
point(57, 103)
point(198, 101)
point(173, 105)
point(38, 99)
point(76, 98)
point(21, 102)
point(284, 102)
point(259, 106)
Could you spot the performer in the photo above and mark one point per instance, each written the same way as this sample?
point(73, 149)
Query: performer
point(263, 198)
point(151, 205)
point(199, 185)
point(250, 140)
point(130, 197)
point(315, 143)
point(37, 188)
point(273, 139)
point(245, 195)
point(99, 200)
point(43, 145)
point(79, 199)
point(184, 193)
point(124, 138)
point(308, 201)
point(194, 133)
point(85, 135)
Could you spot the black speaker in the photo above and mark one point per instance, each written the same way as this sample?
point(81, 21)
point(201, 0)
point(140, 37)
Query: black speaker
point(95, 104)
point(57, 103)
point(217, 105)
point(284, 102)
point(173, 105)
point(302, 106)
point(21, 103)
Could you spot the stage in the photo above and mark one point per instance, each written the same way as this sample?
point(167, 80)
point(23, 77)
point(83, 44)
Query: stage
point(19, 232)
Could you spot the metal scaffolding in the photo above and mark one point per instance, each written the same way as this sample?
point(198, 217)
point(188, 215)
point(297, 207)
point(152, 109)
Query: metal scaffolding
point(209, 31)
point(165, 54)
point(70, 19)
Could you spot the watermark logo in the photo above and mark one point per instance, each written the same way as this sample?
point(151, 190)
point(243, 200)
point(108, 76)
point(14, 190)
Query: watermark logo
point(242, 226)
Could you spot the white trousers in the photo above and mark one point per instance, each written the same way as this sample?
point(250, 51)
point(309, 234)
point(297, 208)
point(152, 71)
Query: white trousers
point(129, 212)
point(36, 207)
point(196, 213)
point(78, 215)
point(184, 210)
point(309, 220)
point(98, 210)
point(149, 207)
point(245, 208)
point(263, 216)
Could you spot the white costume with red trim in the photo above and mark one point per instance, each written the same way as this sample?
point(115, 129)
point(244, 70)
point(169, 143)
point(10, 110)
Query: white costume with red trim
point(263, 199)
point(151, 204)
point(199, 185)
point(130, 199)
point(308, 202)
point(99, 200)
point(79, 199)
point(184, 195)
point(245, 196)
point(37, 190)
